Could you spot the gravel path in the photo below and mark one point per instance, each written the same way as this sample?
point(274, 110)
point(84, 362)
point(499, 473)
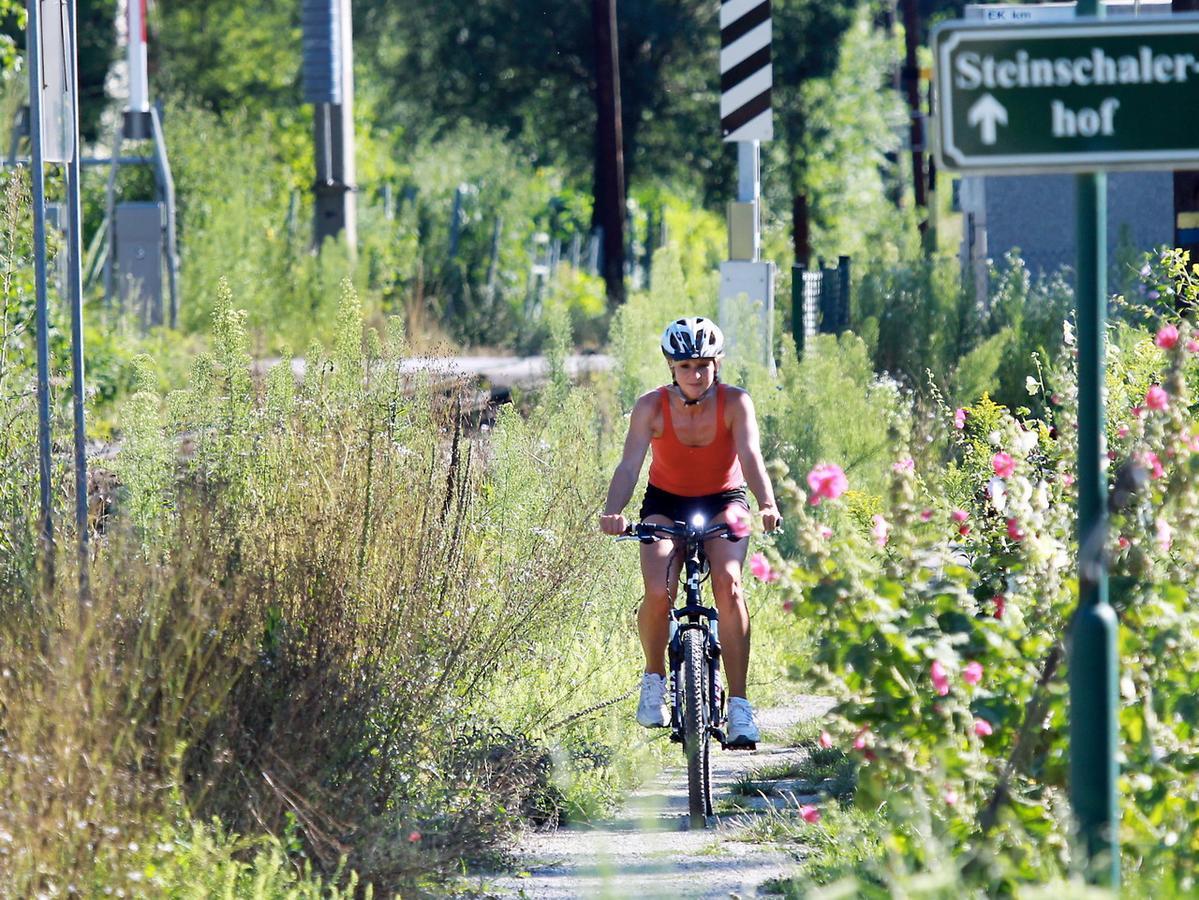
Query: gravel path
point(646, 850)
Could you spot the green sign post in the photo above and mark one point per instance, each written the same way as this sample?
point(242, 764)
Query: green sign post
point(1081, 95)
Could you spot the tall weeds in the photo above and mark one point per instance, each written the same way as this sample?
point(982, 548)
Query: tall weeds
point(306, 620)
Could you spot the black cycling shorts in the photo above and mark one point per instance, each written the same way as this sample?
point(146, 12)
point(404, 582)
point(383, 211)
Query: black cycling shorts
point(658, 502)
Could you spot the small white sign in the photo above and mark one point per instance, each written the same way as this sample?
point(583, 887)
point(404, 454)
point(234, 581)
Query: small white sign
point(1006, 14)
point(57, 93)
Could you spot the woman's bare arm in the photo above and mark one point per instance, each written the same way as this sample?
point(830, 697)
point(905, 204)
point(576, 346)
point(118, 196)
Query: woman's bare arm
point(747, 440)
point(624, 479)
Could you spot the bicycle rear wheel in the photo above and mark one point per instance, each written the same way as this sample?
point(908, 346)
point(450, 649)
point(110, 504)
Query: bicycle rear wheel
point(695, 728)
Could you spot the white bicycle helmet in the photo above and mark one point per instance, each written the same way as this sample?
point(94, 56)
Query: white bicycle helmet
point(692, 338)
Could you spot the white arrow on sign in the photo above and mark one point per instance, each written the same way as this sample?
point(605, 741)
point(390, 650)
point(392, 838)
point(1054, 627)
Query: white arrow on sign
point(987, 112)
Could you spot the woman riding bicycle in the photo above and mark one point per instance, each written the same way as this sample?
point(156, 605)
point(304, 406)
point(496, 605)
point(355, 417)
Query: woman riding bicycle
point(704, 436)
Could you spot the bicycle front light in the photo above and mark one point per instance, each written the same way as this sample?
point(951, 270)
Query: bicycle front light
point(697, 520)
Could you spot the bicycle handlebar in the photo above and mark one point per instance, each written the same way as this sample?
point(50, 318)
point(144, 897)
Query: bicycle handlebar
point(650, 532)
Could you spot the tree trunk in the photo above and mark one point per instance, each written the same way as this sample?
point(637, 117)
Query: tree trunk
point(801, 234)
point(910, 78)
point(609, 208)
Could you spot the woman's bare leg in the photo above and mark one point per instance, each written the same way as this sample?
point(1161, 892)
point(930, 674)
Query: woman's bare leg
point(725, 559)
point(661, 579)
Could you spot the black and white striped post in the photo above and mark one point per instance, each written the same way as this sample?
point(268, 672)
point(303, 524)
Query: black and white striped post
point(747, 119)
point(746, 78)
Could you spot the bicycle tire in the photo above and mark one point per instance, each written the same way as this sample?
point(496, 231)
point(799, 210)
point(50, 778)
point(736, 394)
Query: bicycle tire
point(695, 729)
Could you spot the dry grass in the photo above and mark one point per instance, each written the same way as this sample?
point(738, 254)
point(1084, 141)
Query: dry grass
point(300, 635)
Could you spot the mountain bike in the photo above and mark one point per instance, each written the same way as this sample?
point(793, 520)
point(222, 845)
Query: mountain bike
point(696, 698)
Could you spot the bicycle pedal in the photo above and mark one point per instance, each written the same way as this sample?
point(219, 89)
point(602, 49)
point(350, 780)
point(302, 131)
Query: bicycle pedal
point(740, 745)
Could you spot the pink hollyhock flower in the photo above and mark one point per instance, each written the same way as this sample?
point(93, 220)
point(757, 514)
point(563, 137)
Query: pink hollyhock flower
point(1000, 602)
point(1157, 398)
point(926, 515)
point(1122, 431)
point(1137, 411)
point(826, 532)
point(940, 678)
point(739, 522)
point(1167, 337)
point(760, 568)
point(826, 740)
point(1003, 464)
point(907, 464)
point(1013, 530)
point(1067, 479)
point(881, 530)
point(413, 837)
point(983, 728)
point(788, 605)
point(1123, 543)
point(810, 814)
point(959, 419)
point(964, 530)
point(951, 797)
point(973, 673)
point(827, 481)
point(863, 737)
point(959, 515)
point(1193, 345)
point(1154, 463)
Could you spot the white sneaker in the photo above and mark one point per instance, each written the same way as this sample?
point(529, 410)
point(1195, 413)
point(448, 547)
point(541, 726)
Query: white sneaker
point(651, 709)
point(742, 730)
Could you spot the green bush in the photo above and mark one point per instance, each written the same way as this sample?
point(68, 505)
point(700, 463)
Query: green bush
point(920, 322)
point(941, 624)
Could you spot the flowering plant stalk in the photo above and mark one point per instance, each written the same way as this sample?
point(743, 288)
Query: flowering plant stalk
point(942, 626)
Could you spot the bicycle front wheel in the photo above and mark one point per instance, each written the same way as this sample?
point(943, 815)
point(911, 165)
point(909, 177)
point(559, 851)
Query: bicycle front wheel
point(695, 728)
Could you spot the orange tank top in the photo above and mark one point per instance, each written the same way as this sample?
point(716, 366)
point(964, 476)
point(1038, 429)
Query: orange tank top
point(695, 471)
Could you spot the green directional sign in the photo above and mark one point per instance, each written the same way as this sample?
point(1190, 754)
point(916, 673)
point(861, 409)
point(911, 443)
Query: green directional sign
point(1078, 96)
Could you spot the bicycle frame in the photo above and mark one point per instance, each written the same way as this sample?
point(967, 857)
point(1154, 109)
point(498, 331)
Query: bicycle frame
point(692, 615)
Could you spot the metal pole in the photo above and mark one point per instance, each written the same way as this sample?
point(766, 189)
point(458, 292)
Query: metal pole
point(110, 213)
point(1186, 184)
point(749, 187)
point(456, 219)
point(167, 183)
point(1093, 661)
point(38, 179)
point(75, 282)
point(493, 264)
point(798, 319)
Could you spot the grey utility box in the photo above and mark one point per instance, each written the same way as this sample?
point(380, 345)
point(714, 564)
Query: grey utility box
point(138, 240)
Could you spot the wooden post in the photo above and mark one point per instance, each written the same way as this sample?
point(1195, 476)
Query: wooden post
point(910, 78)
point(609, 210)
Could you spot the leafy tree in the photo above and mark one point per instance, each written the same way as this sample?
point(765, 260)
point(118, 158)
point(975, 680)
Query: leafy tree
point(96, 21)
point(97, 48)
point(807, 41)
point(225, 54)
point(527, 68)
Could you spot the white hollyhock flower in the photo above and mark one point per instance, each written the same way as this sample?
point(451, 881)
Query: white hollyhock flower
point(997, 491)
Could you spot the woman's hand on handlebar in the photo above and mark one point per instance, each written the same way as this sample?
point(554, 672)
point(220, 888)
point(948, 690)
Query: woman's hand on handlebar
point(771, 518)
point(614, 524)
